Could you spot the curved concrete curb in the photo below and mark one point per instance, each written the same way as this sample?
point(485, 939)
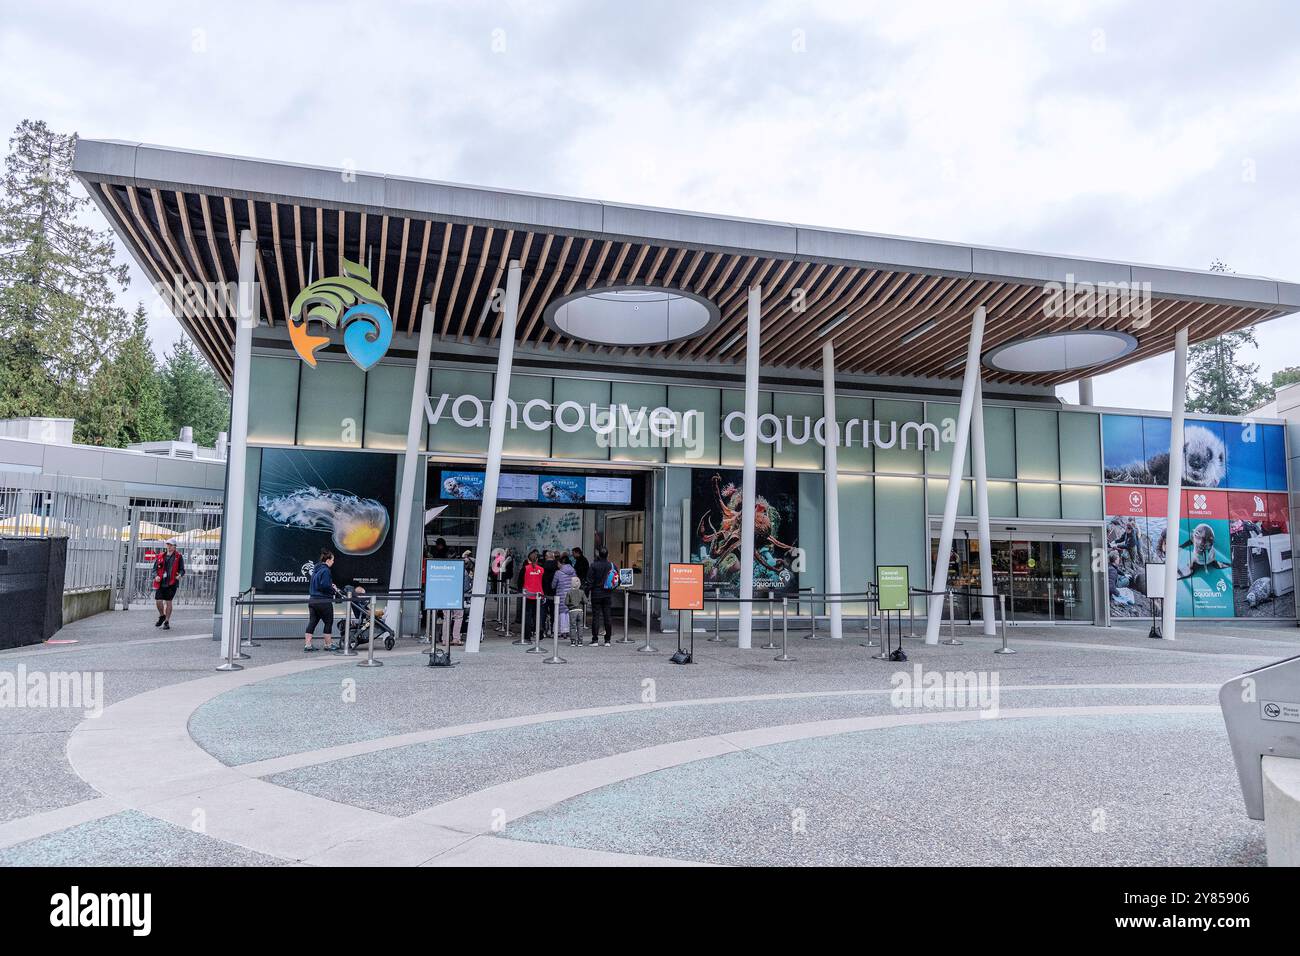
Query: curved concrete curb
point(1282, 810)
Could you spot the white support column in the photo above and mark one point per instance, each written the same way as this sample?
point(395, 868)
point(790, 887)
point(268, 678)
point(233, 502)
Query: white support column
point(831, 430)
point(496, 442)
point(412, 477)
point(232, 537)
point(749, 481)
point(1177, 407)
point(979, 464)
point(939, 580)
point(1085, 391)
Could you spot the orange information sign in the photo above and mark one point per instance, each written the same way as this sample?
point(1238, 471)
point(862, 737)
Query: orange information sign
point(686, 587)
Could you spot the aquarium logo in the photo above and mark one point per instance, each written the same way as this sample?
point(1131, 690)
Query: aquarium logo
point(348, 302)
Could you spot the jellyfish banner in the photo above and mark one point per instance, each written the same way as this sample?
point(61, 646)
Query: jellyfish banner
point(311, 500)
point(715, 529)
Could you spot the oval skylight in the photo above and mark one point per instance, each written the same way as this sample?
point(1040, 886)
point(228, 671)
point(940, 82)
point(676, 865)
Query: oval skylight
point(1060, 351)
point(631, 315)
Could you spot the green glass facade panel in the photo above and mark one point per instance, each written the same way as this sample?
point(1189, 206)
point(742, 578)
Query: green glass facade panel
point(1083, 502)
point(446, 436)
point(331, 405)
point(388, 406)
point(273, 400)
point(938, 493)
point(1080, 446)
point(857, 537)
point(733, 452)
point(944, 417)
point(854, 453)
point(1002, 499)
point(1037, 444)
point(584, 442)
point(1038, 501)
point(522, 441)
point(812, 535)
point(900, 526)
point(1000, 441)
point(898, 460)
point(641, 444)
point(702, 444)
point(798, 414)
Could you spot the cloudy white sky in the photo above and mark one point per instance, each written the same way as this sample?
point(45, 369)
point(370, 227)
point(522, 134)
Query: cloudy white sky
point(1163, 132)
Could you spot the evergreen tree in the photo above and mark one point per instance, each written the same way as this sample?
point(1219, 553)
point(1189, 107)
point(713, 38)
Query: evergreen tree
point(1218, 382)
point(57, 308)
point(193, 395)
point(124, 403)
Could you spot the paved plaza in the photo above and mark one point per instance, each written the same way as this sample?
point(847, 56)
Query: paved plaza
point(1089, 746)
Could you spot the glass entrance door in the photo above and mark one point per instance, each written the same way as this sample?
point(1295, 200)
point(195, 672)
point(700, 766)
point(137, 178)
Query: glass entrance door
point(1046, 579)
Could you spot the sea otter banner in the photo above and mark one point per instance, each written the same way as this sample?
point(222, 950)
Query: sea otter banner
point(715, 529)
point(309, 500)
point(1234, 554)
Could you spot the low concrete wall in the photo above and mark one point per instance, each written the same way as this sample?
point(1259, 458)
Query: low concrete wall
point(1282, 810)
point(79, 604)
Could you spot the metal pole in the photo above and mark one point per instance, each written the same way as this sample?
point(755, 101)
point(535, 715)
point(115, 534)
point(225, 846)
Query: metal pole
point(252, 606)
point(230, 664)
point(1002, 603)
point(717, 619)
point(785, 632)
point(348, 650)
point(869, 642)
point(537, 630)
point(370, 645)
point(646, 648)
point(523, 620)
point(952, 620)
point(771, 626)
point(627, 600)
point(504, 603)
point(239, 635)
point(555, 657)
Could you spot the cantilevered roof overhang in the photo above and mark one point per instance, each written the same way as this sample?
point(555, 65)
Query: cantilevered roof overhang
point(892, 306)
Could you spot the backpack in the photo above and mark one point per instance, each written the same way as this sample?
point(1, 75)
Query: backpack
point(611, 579)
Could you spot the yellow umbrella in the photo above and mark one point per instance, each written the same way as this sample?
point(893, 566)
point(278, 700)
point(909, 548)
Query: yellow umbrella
point(149, 532)
point(31, 524)
point(199, 536)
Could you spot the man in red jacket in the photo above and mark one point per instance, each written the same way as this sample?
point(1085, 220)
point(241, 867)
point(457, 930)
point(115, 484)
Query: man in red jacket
point(168, 569)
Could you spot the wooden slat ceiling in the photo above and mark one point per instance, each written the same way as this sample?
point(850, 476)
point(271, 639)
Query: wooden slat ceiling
point(454, 268)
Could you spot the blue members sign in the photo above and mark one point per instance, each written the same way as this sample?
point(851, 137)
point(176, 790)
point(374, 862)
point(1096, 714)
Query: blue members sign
point(444, 587)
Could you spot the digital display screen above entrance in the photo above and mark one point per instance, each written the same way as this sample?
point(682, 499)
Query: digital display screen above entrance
point(539, 489)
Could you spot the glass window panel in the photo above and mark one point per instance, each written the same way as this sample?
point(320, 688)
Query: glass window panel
point(898, 460)
point(733, 452)
point(446, 435)
point(938, 462)
point(798, 414)
point(854, 453)
point(1081, 501)
point(522, 441)
point(1080, 446)
point(1002, 499)
point(1037, 448)
point(857, 536)
point(388, 406)
point(938, 494)
point(641, 445)
point(1000, 441)
point(703, 445)
point(273, 392)
point(583, 443)
point(1038, 501)
point(900, 526)
point(1125, 447)
point(331, 405)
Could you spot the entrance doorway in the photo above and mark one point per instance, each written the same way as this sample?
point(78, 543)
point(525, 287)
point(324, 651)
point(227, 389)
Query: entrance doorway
point(1045, 574)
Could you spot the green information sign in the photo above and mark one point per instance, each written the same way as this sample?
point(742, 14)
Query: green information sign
point(892, 587)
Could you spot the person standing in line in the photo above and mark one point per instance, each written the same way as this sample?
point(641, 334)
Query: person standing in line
point(530, 582)
point(168, 569)
point(580, 565)
point(320, 602)
point(566, 579)
point(602, 579)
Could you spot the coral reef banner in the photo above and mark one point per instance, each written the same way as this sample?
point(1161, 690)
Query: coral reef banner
point(715, 529)
point(309, 500)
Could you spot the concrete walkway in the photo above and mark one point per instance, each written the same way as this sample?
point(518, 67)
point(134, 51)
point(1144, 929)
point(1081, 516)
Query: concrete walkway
point(492, 762)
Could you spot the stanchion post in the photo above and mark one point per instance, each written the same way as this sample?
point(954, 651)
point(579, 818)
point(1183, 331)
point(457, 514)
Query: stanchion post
point(252, 607)
point(537, 628)
point(555, 657)
point(370, 644)
point(717, 619)
point(1002, 603)
point(232, 628)
point(785, 631)
point(952, 620)
point(348, 649)
point(523, 619)
point(627, 600)
point(771, 644)
point(646, 648)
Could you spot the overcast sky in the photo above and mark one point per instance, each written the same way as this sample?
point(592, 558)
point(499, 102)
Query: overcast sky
point(1148, 131)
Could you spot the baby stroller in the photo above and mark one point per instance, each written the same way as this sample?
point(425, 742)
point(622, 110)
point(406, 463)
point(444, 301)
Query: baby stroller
point(359, 607)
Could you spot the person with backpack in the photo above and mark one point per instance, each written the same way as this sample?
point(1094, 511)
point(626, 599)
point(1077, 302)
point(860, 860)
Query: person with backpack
point(566, 583)
point(602, 581)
